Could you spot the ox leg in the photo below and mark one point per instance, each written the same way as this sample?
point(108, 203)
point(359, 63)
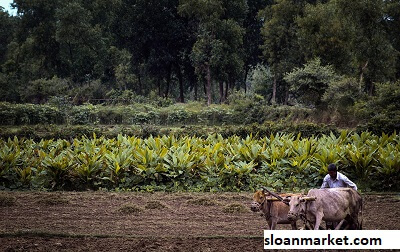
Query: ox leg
point(339, 225)
point(318, 219)
point(269, 224)
point(352, 222)
point(293, 224)
point(273, 223)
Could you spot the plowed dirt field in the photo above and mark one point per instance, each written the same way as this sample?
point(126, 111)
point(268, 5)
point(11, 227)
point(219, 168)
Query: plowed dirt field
point(107, 221)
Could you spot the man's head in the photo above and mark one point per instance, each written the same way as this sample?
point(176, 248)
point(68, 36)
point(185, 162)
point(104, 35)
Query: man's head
point(332, 171)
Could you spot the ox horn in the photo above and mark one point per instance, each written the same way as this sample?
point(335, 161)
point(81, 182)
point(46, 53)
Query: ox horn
point(308, 198)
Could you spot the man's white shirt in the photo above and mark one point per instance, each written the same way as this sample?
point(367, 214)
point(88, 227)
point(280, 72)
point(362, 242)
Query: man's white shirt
point(340, 181)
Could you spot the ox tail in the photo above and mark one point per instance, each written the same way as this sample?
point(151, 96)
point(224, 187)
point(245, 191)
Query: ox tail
point(360, 219)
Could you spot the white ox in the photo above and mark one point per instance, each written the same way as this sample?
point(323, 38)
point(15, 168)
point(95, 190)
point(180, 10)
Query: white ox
point(330, 205)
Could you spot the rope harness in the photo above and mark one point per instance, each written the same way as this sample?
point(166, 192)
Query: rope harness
point(303, 217)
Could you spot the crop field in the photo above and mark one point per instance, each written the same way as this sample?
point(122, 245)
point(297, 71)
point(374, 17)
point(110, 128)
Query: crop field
point(213, 164)
point(128, 221)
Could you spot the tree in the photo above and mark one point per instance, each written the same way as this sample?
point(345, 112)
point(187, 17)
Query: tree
point(261, 81)
point(281, 48)
point(82, 47)
point(157, 38)
point(38, 57)
point(310, 82)
point(392, 27)
point(326, 34)
point(7, 25)
point(351, 36)
point(342, 94)
point(252, 39)
point(205, 49)
point(230, 64)
point(216, 51)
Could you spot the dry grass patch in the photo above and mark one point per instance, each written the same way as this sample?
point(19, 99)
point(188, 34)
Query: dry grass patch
point(52, 200)
point(130, 209)
point(203, 202)
point(242, 197)
point(7, 200)
point(155, 205)
point(235, 208)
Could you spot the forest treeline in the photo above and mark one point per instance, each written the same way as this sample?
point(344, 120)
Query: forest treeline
point(333, 55)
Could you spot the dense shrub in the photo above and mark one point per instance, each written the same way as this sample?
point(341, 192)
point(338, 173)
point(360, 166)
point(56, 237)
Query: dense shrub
point(40, 131)
point(19, 114)
point(381, 112)
point(245, 112)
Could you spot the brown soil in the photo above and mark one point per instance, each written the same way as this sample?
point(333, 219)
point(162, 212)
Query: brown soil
point(105, 221)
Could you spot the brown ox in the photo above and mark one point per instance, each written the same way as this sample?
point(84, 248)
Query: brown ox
point(275, 211)
point(330, 205)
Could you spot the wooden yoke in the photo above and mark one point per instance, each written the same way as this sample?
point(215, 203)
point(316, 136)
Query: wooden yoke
point(274, 194)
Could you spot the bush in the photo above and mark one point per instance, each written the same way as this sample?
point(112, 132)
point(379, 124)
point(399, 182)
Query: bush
point(19, 114)
point(261, 81)
point(311, 81)
point(41, 90)
point(381, 112)
point(85, 114)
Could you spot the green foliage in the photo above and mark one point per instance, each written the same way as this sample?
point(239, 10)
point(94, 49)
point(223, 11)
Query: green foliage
point(310, 82)
point(41, 90)
point(326, 33)
point(213, 163)
point(381, 111)
point(341, 95)
point(39, 132)
point(17, 114)
point(261, 81)
point(389, 167)
point(340, 34)
point(134, 50)
point(54, 169)
point(243, 109)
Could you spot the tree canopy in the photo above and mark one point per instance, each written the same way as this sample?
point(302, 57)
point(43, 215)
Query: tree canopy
point(197, 49)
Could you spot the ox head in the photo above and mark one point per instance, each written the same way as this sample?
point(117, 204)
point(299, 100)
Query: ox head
point(297, 206)
point(259, 198)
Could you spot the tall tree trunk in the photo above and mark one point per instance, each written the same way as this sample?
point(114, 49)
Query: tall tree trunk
point(139, 91)
point(159, 86)
point(195, 91)
point(273, 99)
point(221, 92)
point(180, 79)
point(246, 72)
point(286, 95)
point(226, 90)
point(208, 85)
point(168, 82)
point(371, 88)
point(362, 75)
